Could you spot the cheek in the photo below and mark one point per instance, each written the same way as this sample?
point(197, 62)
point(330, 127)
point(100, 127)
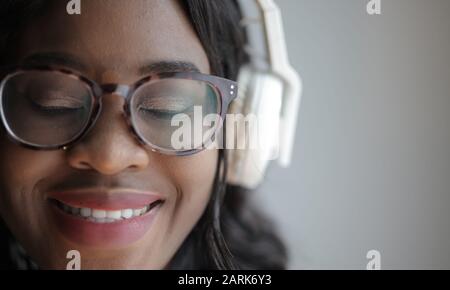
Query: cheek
point(197, 174)
point(195, 178)
point(21, 170)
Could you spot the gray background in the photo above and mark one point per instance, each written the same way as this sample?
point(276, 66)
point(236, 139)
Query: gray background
point(371, 167)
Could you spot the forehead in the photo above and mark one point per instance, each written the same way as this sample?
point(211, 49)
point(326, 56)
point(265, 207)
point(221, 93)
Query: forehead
point(117, 36)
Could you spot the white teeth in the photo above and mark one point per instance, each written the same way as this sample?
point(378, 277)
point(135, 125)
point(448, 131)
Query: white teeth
point(85, 212)
point(104, 216)
point(98, 213)
point(127, 213)
point(114, 214)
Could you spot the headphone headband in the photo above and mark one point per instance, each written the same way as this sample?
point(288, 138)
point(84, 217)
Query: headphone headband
point(268, 88)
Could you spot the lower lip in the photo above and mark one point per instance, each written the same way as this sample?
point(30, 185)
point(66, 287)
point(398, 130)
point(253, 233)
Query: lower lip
point(105, 235)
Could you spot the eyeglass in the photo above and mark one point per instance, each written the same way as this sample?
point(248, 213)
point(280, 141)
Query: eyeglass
point(44, 107)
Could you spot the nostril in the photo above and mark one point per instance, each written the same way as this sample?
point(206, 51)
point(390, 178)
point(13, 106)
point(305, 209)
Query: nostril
point(84, 165)
point(134, 167)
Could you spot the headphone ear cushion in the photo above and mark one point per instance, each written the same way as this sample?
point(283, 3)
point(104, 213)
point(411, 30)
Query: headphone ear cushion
point(261, 104)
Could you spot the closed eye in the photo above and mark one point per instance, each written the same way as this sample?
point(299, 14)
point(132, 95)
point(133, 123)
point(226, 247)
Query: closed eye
point(165, 106)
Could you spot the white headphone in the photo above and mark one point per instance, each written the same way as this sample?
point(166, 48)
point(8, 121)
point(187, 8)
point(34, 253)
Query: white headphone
point(268, 88)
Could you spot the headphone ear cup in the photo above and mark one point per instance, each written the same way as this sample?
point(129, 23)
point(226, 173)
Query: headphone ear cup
point(257, 129)
point(235, 156)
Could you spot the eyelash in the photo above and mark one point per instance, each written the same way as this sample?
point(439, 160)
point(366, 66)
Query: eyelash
point(164, 114)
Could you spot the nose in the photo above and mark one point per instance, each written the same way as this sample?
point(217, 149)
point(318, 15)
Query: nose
point(109, 147)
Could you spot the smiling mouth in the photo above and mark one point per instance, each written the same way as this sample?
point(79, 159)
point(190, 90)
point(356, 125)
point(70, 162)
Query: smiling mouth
point(105, 216)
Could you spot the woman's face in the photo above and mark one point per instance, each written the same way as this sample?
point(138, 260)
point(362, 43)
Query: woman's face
point(108, 168)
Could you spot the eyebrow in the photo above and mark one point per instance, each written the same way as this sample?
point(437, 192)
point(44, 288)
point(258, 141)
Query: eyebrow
point(70, 61)
point(169, 66)
point(55, 58)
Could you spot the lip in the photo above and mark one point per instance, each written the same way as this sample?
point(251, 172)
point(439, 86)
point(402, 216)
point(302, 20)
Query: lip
point(105, 235)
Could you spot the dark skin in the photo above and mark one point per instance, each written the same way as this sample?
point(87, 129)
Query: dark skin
point(110, 43)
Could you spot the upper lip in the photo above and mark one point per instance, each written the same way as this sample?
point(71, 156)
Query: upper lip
point(106, 199)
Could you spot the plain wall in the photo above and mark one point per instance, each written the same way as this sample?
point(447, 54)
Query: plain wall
point(371, 166)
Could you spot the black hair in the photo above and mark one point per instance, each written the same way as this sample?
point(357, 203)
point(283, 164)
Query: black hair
point(232, 233)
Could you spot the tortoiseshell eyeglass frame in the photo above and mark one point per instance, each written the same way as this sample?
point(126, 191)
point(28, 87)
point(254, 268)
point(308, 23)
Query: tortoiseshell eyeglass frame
point(226, 90)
